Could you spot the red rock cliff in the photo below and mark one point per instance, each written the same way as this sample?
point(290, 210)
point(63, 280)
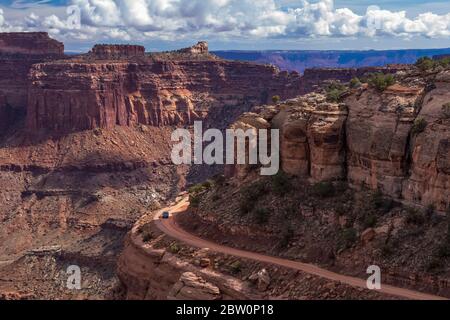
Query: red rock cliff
point(79, 95)
point(18, 52)
point(30, 43)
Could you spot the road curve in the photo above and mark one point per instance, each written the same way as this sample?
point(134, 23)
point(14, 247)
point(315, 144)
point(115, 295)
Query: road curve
point(172, 229)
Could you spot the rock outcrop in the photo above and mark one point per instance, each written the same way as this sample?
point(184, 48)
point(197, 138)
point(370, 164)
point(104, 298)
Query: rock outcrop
point(396, 141)
point(115, 52)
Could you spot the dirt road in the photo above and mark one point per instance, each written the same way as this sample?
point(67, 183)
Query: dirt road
point(170, 228)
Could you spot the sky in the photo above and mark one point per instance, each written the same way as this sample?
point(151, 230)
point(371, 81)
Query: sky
point(236, 24)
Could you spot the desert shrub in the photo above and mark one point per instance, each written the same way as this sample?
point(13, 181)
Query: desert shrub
point(446, 110)
point(420, 124)
point(381, 81)
point(379, 202)
point(323, 189)
point(370, 220)
point(194, 200)
point(174, 248)
point(146, 237)
point(414, 216)
point(355, 83)
point(334, 91)
point(286, 237)
point(276, 99)
point(250, 197)
point(281, 184)
point(219, 180)
point(236, 267)
point(261, 215)
point(348, 237)
point(196, 189)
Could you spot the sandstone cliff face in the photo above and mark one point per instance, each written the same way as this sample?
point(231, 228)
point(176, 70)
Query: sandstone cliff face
point(429, 180)
point(378, 130)
point(371, 139)
point(67, 96)
point(18, 52)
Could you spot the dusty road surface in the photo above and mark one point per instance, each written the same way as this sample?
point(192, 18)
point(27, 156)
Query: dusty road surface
point(170, 228)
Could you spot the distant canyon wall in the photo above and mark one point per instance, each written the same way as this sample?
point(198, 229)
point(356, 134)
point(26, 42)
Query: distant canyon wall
point(122, 85)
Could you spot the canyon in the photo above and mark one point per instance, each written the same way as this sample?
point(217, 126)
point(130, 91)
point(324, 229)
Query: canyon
point(85, 153)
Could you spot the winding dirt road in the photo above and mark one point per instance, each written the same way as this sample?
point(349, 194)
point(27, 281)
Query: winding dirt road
point(170, 228)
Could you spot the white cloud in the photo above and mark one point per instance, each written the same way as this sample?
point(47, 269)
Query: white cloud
point(174, 19)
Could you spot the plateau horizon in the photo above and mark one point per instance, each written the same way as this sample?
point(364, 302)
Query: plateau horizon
point(190, 148)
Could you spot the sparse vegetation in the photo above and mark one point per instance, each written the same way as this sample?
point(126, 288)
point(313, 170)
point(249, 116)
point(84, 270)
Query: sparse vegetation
point(370, 220)
point(381, 81)
point(174, 248)
point(355, 83)
point(420, 124)
point(261, 215)
point(380, 203)
point(236, 267)
point(425, 63)
point(286, 237)
point(146, 237)
point(276, 99)
point(335, 91)
point(428, 64)
point(414, 216)
point(250, 196)
point(281, 183)
point(323, 189)
point(348, 237)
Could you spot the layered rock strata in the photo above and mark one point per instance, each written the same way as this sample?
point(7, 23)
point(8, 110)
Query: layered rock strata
point(396, 141)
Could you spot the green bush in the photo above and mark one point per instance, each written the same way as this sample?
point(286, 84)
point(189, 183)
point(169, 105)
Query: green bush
point(276, 99)
point(379, 202)
point(194, 200)
point(146, 237)
point(381, 81)
point(250, 197)
point(281, 184)
point(335, 91)
point(370, 221)
point(261, 215)
point(286, 237)
point(355, 83)
point(414, 216)
point(348, 237)
point(425, 64)
point(174, 248)
point(236, 267)
point(323, 189)
point(420, 124)
point(428, 64)
point(446, 110)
